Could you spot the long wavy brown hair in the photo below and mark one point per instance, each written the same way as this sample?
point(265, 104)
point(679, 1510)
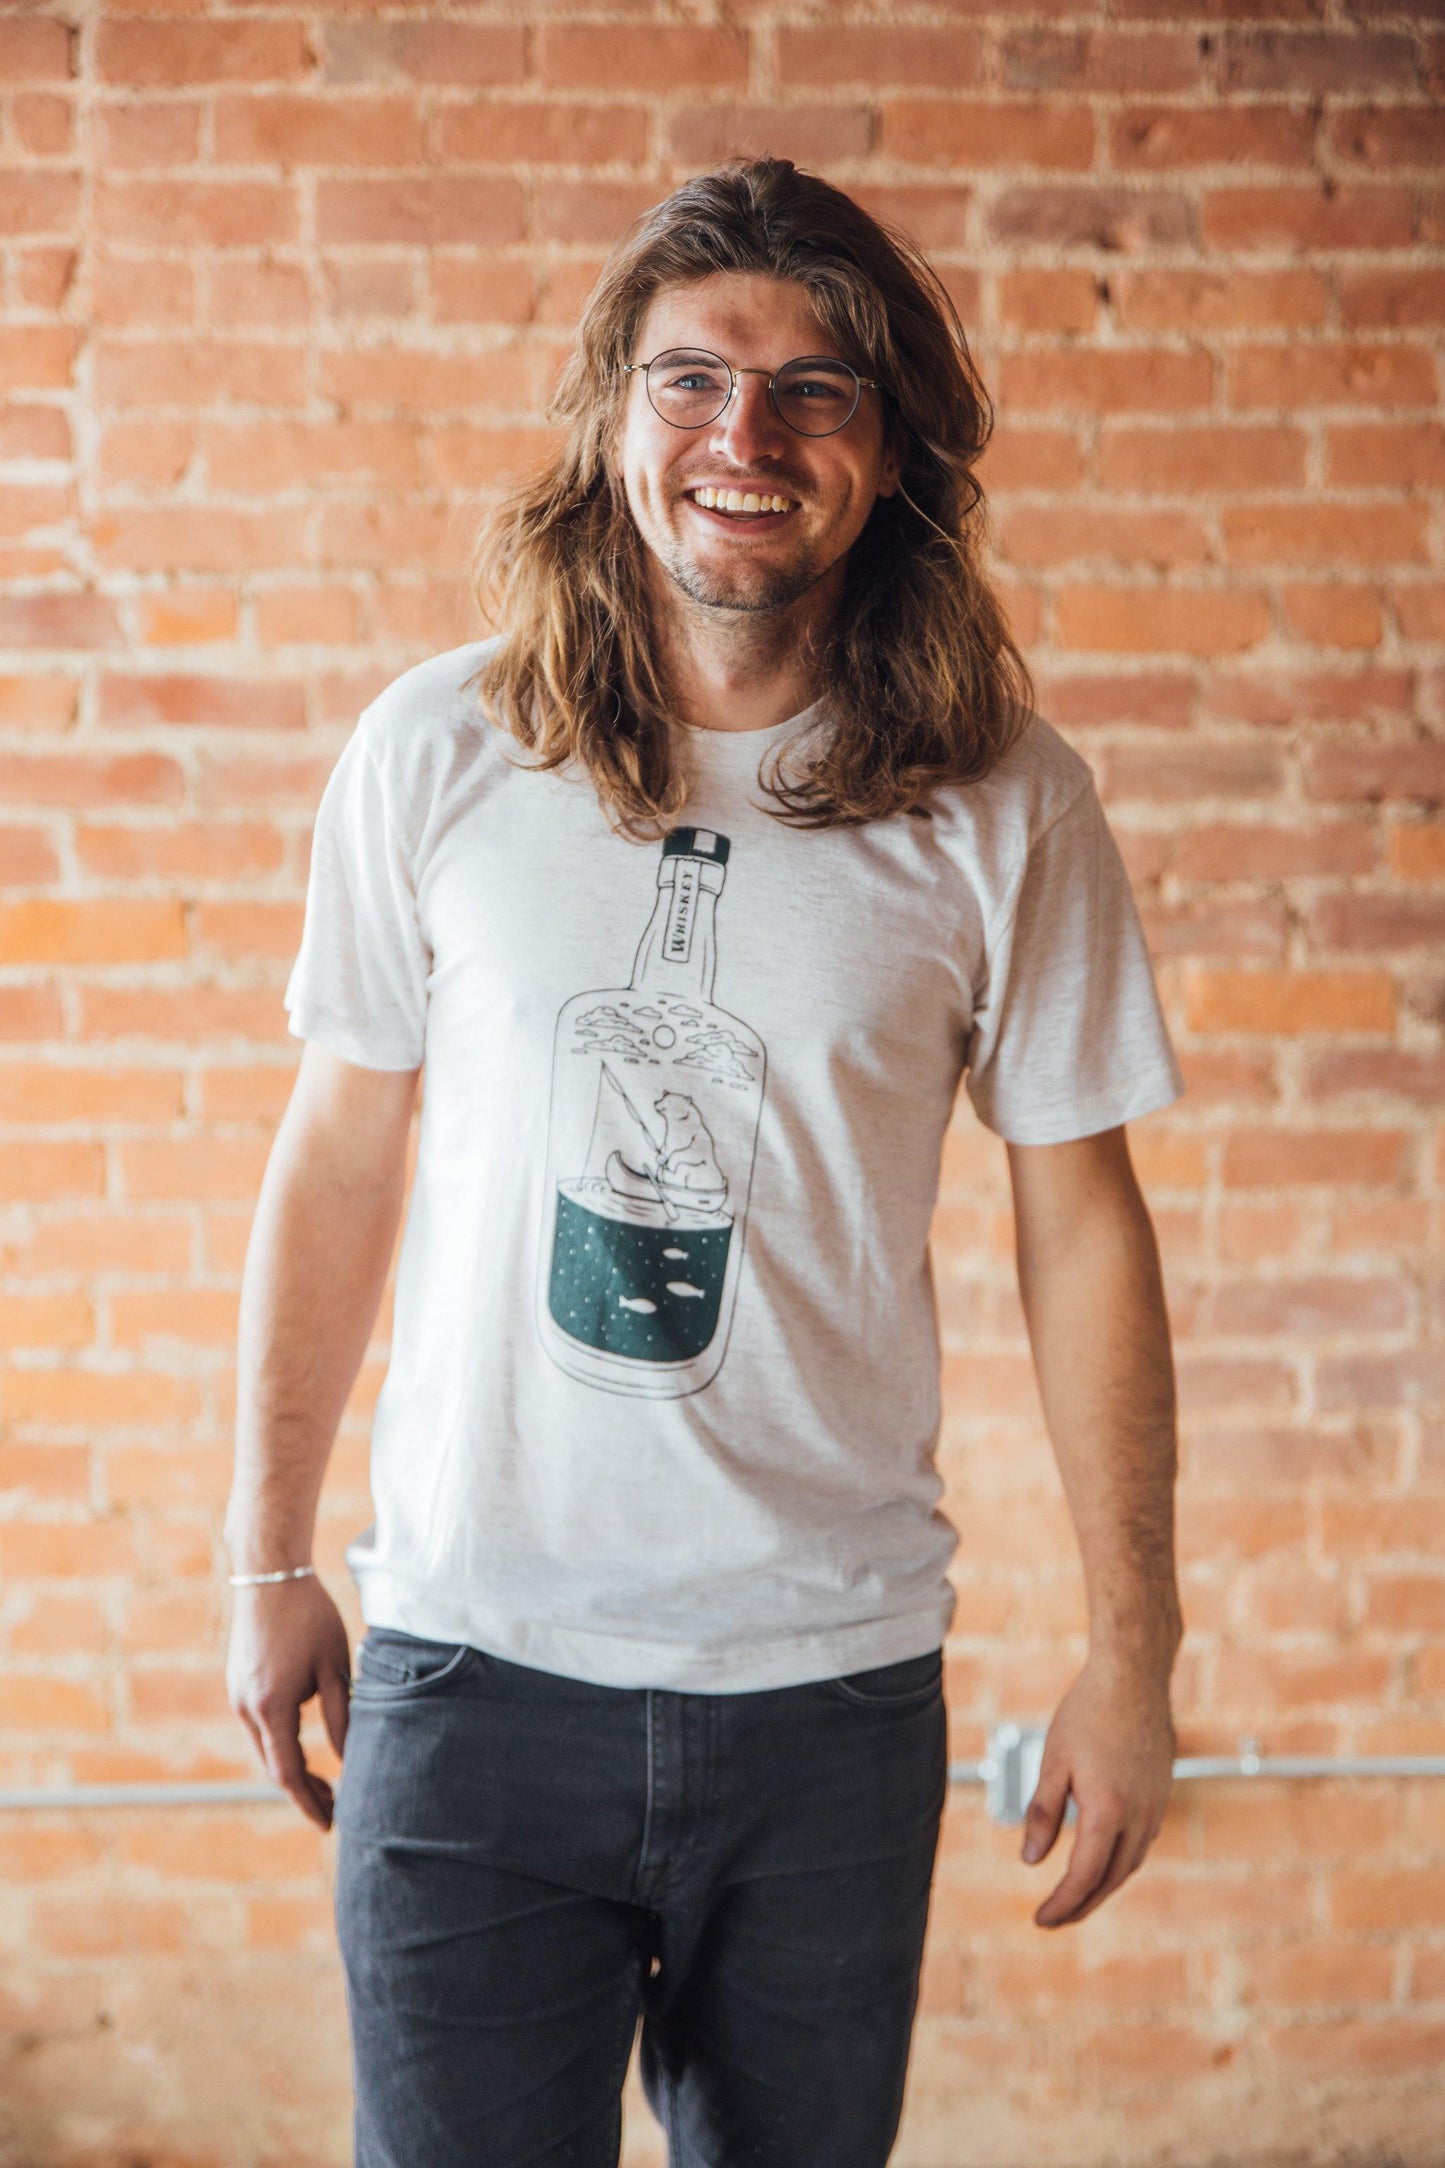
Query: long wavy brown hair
point(923, 683)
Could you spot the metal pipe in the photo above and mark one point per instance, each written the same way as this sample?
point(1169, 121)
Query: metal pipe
point(1009, 1771)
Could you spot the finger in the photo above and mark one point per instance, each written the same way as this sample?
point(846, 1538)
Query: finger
point(254, 1732)
point(335, 1693)
point(281, 1731)
point(1125, 1858)
point(1045, 1817)
point(1088, 1863)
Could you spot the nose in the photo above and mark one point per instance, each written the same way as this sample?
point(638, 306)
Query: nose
point(749, 426)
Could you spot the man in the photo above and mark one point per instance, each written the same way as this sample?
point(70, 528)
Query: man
point(698, 888)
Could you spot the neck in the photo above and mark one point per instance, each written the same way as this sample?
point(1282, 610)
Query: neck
point(740, 669)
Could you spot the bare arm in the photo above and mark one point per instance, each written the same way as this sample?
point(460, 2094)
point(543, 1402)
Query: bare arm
point(316, 1265)
point(1090, 1283)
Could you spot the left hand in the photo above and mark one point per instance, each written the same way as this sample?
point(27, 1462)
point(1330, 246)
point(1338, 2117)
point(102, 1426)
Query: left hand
point(1112, 1745)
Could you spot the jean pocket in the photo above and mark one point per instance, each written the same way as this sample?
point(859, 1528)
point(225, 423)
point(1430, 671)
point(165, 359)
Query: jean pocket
point(391, 1665)
point(904, 1685)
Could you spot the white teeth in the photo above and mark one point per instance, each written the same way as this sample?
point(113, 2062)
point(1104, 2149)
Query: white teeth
point(737, 500)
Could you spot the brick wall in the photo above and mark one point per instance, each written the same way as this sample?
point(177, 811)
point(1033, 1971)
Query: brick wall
point(282, 295)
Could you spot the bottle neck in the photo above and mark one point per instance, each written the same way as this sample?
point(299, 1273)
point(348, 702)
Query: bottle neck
point(678, 952)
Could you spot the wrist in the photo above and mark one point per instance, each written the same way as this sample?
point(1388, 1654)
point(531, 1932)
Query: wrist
point(1149, 1643)
point(277, 1577)
point(259, 1548)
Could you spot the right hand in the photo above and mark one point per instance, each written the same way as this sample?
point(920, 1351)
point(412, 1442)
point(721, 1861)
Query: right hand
point(288, 1642)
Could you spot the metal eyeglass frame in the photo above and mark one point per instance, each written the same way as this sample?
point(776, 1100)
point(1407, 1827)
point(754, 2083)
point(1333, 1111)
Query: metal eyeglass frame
point(861, 384)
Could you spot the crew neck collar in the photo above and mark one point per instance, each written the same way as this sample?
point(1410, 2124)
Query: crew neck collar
point(723, 745)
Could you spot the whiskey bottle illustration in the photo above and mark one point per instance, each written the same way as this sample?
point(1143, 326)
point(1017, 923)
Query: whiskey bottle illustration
point(656, 1093)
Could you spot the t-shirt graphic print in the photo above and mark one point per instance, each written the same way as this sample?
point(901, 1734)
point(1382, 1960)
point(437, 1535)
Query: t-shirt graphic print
point(651, 1138)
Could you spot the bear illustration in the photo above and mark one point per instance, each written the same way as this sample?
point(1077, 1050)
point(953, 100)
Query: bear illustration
point(687, 1167)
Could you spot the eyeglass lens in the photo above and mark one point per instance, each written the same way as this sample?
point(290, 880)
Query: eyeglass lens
point(689, 388)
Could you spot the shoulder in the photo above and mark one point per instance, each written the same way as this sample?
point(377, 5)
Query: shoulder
point(426, 705)
point(427, 733)
point(1039, 777)
point(993, 823)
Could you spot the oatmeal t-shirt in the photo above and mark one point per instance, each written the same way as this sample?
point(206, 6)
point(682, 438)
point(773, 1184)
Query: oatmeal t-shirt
point(664, 1397)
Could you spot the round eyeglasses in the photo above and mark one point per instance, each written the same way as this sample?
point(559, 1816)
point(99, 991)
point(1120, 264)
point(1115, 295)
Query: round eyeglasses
point(817, 394)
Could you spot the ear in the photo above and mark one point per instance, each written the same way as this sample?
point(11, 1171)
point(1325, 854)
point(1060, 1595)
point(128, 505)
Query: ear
point(890, 474)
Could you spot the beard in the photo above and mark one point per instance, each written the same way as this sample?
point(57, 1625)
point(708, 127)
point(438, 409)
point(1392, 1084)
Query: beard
point(757, 587)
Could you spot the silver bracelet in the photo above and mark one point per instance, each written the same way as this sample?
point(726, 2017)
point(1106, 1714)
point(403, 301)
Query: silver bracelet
point(253, 1580)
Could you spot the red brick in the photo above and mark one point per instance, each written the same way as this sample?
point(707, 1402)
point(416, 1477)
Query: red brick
point(190, 851)
point(1272, 1158)
point(39, 202)
point(1101, 59)
point(50, 1093)
point(1282, 698)
point(1159, 620)
point(149, 132)
point(1307, 218)
point(127, 1927)
point(27, 857)
point(37, 357)
point(41, 1702)
point(1331, 613)
point(1104, 380)
point(205, 214)
point(1303, 61)
point(1384, 921)
point(395, 376)
point(201, 373)
point(426, 50)
point(1125, 219)
point(1388, 135)
point(201, 702)
point(58, 619)
point(884, 56)
point(83, 1550)
point(973, 135)
point(1048, 300)
point(168, 54)
point(82, 779)
point(1288, 1001)
point(422, 211)
point(37, 50)
point(109, 929)
point(1324, 535)
point(1203, 458)
point(694, 135)
point(1302, 375)
point(1058, 534)
point(1230, 299)
point(291, 130)
point(1388, 297)
point(50, 1399)
point(537, 133)
point(1358, 770)
point(190, 1167)
point(657, 57)
point(187, 617)
point(1402, 455)
point(1161, 138)
point(937, 215)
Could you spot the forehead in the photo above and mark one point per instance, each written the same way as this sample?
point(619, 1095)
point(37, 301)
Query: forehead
point(744, 316)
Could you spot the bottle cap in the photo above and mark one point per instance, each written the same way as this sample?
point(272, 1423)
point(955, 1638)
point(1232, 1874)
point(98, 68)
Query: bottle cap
point(696, 843)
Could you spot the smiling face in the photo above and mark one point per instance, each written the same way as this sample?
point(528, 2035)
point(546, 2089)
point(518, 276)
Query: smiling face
point(829, 483)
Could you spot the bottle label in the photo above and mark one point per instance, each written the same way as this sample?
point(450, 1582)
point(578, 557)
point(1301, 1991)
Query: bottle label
point(682, 912)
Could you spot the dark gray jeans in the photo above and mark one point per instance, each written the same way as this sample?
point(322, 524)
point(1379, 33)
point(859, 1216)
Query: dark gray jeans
point(527, 1863)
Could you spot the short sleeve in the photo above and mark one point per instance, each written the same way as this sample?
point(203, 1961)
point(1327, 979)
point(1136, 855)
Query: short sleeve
point(1068, 1036)
point(359, 981)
